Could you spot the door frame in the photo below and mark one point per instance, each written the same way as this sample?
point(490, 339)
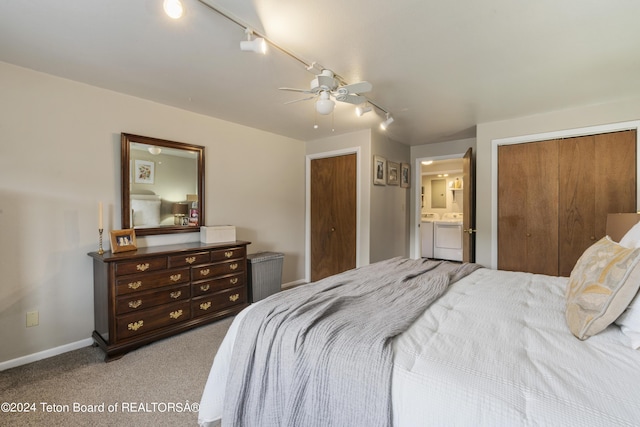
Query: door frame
point(568, 133)
point(324, 155)
point(417, 184)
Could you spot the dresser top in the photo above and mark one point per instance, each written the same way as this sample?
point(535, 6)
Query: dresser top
point(108, 256)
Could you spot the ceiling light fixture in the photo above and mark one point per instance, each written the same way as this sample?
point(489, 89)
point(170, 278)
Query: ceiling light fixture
point(154, 150)
point(362, 110)
point(258, 45)
point(173, 8)
point(310, 66)
point(384, 125)
point(325, 105)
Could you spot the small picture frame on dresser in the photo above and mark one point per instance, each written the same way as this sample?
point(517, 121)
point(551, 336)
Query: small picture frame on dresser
point(123, 240)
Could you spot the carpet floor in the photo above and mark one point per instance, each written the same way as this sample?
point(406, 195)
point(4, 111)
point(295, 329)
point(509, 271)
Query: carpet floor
point(157, 385)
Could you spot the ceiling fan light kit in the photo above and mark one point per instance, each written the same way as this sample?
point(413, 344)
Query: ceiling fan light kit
point(325, 105)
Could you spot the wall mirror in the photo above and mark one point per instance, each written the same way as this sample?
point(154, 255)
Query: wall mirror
point(438, 193)
point(162, 185)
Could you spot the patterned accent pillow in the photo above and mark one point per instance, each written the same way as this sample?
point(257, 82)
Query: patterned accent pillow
point(602, 284)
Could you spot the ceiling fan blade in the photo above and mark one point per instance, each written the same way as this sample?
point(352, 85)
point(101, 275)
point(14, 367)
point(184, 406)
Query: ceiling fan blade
point(298, 100)
point(360, 87)
point(327, 83)
point(351, 99)
point(292, 89)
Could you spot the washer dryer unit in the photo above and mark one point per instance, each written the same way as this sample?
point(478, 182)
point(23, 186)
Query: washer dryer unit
point(447, 237)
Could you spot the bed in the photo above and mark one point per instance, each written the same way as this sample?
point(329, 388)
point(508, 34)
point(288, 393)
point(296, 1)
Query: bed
point(494, 348)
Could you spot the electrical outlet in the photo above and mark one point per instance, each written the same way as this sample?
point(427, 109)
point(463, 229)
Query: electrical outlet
point(32, 319)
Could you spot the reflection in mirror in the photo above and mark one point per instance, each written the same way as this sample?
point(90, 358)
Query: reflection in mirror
point(438, 193)
point(162, 185)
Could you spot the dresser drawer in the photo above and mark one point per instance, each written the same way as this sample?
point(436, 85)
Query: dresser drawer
point(142, 300)
point(189, 259)
point(228, 254)
point(144, 321)
point(218, 269)
point(140, 266)
point(209, 286)
point(202, 306)
point(145, 282)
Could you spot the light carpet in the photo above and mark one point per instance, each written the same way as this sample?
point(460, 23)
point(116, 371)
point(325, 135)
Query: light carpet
point(160, 384)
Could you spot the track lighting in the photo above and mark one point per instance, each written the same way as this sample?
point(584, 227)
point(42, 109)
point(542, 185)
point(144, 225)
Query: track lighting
point(173, 8)
point(362, 109)
point(384, 125)
point(258, 45)
point(324, 105)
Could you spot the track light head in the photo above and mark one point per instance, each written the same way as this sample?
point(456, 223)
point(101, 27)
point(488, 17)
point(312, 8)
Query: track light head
point(258, 45)
point(173, 8)
point(384, 125)
point(362, 110)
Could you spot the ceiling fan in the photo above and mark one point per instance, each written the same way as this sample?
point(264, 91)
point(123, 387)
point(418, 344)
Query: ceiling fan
point(326, 86)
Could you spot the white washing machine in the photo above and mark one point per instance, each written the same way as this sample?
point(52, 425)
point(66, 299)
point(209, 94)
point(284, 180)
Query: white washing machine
point(426, 233)
point(447, 237)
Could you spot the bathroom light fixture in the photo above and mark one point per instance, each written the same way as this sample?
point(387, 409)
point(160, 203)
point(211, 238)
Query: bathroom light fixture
point(258, 45)
point(362, 110)
point(325, 105)
point(173, 8)
point(384, 125)
point(155, 150)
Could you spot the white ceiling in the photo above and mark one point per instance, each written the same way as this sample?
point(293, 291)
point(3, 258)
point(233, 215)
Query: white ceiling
point(439, 67)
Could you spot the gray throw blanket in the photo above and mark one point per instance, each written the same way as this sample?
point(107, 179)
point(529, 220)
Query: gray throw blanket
point(320, 354)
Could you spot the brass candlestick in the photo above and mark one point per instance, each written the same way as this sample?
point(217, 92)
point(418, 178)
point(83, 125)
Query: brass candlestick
point(100, 250)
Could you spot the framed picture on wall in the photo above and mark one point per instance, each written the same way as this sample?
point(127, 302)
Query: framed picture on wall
point(393, 173)
point(144, 172)
point(405, 175)
point(123, 240)
point(379, 170)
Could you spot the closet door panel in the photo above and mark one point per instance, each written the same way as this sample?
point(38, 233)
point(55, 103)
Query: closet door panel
point(542, 207)
point(576, 202)
point(512, 197)
point(615, 172)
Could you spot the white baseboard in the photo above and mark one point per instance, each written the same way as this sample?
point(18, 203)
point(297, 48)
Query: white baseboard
point(45, 354)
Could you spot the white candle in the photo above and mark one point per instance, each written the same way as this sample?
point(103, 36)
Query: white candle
point(100, 216)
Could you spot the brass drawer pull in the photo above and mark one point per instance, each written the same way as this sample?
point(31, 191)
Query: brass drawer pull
point(175, 314)
point(228, 254)
point(190, 259)
point(205, 305)
point(233, 280)
point(204, 288)
point(233, 266)
point(135, 304)
point(175, 294)
point(205, 272)
point(142, 267)
point(135, 285)
point(175, 277)
point(135, 325)
point(234, 297)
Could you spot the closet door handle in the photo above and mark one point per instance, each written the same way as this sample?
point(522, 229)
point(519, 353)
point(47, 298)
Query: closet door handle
point(470, 231)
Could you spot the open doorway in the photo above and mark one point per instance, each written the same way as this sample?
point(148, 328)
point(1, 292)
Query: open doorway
point(444, 208)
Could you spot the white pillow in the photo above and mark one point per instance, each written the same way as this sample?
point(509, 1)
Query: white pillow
point(629, 322)
point(632, 238)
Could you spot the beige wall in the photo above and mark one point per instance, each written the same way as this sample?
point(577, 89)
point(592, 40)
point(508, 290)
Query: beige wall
point(59, 156)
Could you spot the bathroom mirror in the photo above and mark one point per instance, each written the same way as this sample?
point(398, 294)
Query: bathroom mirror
point(162, 185)
point(438, 193)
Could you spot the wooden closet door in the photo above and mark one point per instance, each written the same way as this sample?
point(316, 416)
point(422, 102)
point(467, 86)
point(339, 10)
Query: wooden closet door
point(528, 207)
point(598, 174)
point(333, 215)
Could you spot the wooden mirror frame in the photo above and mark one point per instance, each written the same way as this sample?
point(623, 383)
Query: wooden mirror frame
point(126, 140)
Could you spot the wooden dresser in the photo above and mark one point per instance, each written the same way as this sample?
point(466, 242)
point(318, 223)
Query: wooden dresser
point(153, 293)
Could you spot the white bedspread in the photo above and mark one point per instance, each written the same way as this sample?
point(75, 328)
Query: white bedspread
point(495, 351)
